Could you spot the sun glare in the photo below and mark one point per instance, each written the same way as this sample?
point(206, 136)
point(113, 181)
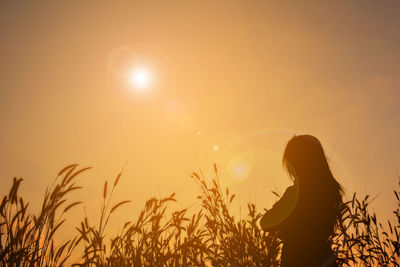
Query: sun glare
point(140, 78)
point(238, 169)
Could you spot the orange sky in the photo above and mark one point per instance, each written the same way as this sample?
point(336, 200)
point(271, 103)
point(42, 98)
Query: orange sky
point(247, 75)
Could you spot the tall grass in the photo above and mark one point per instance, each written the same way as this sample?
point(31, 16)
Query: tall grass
point(208, 235)
point(362, 239)
point(28, 239)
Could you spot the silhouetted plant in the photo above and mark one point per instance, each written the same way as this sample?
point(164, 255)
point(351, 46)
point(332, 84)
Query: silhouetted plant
point(28, 240)
point(95, 247)
point(159, 237)
point(361, 239)
point(234, 242)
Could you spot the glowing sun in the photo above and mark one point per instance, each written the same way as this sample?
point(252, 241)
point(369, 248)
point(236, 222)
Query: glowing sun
point(140, 78)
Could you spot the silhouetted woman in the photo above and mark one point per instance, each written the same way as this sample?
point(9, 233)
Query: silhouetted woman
point(305, 216)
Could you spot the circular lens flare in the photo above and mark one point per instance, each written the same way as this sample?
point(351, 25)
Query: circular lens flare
point(231, 152)
point(238, 168)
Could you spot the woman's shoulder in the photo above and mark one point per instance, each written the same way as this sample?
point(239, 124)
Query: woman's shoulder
point(280, 210)
point(288, 200)
point(291, 191)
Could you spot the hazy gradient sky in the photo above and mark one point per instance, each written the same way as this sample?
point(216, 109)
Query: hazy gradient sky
point(247, 75)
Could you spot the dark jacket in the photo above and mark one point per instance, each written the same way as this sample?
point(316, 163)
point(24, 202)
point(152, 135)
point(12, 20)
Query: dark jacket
point(303, 221)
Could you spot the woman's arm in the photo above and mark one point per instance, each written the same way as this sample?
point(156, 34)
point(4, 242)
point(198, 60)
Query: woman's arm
point(280, 210)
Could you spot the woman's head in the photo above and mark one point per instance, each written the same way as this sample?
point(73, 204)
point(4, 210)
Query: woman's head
point(305, 160)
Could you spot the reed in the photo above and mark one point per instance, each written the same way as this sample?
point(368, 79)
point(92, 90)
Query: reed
point(207, 236)
point(28, 239)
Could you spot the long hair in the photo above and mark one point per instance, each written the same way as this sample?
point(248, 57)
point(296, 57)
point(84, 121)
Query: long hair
point(305, 161)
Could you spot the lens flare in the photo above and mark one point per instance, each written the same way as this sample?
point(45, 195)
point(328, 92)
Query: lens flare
point(230, 152)
point(238, 168)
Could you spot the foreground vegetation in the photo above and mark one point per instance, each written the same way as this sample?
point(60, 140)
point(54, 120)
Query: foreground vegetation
point(179, 238)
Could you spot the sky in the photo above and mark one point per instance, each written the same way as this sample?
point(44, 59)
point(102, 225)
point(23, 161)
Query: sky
point(225, 81)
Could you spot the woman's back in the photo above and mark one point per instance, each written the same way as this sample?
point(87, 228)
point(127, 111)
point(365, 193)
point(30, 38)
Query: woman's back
point(305, 230)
